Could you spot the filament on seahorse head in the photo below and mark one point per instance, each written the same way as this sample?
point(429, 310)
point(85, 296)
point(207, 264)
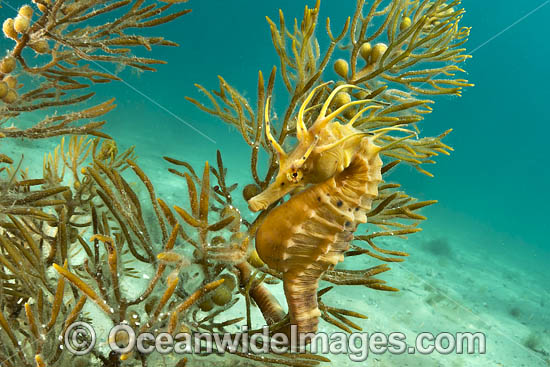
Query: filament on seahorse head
point(339, 169)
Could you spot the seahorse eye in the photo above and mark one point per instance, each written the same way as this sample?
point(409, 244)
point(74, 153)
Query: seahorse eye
point(295, 176)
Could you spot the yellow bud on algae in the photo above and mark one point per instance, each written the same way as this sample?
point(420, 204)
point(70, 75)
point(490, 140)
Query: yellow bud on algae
point(8, 65)
point(377, 52)
point(26, 11)
point(365, 50)
point(21, 24)
point(341, 99)
point(405, 23)
point(9, 30)
point(341, 67)
point(40, 46)
point(206, 305)
point(3, 89)
point(250, 191)
point(10, 81)
point(222, 295)
point(41, 5)
point(350, 112)
point(10, 97)
point(229, 281)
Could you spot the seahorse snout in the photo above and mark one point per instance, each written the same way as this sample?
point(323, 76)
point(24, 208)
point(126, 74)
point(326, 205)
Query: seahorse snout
point(256, 204)
point(279, 188)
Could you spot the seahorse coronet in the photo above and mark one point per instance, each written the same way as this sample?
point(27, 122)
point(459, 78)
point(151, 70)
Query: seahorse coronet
point(340, 169)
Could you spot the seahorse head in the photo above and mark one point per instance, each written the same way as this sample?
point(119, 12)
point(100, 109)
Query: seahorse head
point(322, 151)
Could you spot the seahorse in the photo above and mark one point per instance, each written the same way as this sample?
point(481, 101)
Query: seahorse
point(333, 174)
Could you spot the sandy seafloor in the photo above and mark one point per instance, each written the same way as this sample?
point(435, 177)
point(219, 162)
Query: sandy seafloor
point(455, 280)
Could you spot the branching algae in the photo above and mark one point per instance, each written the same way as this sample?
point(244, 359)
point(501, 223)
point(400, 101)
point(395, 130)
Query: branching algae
point(82, 231)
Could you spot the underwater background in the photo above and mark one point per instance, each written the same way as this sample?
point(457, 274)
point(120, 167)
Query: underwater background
point(482, 261)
